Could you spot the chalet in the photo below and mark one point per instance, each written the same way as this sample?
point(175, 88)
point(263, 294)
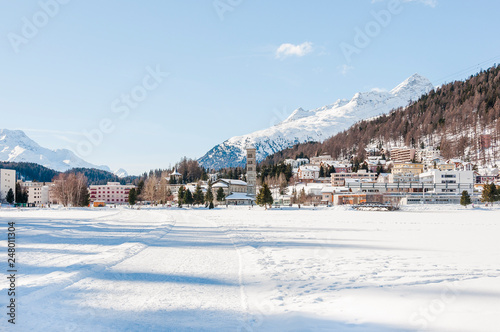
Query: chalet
point(308, 173)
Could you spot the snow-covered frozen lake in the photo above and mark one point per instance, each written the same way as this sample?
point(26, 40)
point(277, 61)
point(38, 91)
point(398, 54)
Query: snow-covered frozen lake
point(240, 269)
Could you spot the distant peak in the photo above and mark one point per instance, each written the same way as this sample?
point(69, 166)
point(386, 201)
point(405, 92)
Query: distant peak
point(121, 173)
point(412, 83)
point(299, 113)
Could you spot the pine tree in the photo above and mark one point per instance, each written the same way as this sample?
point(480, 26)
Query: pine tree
point(198, 195)
point(490, 193)
point(84, 196)
point(21, 194)
point(10, 196)
point(132, 196)
point(465, 199)
point(180, 195)
point(209, 196)
point(264, 197)
point(140, 186)
point(321, 172)
point(188, 197)
point(220, 194)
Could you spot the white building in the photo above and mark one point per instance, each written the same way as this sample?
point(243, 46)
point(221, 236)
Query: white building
point(308, 173)
point(427, 155)
point(38, 192)
point(111, 193)
point(339, 179)
point(324, 158)
point(7, 182)
point(235, 191)
point(448, 181)
point(295, 163)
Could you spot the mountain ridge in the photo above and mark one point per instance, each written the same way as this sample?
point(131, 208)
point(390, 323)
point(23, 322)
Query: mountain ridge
point(460, 119)
point(316, 125)
point(16, 146)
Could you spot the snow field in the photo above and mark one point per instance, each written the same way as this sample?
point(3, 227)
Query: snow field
point(240, 269)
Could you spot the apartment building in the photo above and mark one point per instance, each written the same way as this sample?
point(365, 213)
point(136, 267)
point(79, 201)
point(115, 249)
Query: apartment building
point(111, 193)
point(406, 167)
point(38, 192)
point(7, 182)
point(449, 181)
point(342, 168)
point(339, 179)
point(402, 155)
point(446, 167)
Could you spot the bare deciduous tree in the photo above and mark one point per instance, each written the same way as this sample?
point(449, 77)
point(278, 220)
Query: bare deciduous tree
point(71, 189)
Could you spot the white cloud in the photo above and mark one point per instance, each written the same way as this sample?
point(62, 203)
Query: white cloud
point(430, 3)
point(285, 50)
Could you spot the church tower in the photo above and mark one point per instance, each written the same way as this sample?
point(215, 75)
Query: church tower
point(251, 170)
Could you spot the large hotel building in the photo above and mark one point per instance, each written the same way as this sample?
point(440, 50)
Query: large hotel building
point(111, 193)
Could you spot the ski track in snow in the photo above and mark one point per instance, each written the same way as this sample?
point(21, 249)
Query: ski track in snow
point(240, 269)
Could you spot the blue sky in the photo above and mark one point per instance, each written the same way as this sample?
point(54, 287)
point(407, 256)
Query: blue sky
point(201, 72)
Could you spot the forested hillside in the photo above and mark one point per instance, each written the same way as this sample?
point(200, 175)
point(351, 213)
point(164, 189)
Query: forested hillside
point(452, 118)
point(35, 172)
point(30, 171)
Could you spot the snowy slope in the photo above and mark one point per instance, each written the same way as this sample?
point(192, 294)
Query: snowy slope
point(16, 146)
point(425, 268)
point(316, 125)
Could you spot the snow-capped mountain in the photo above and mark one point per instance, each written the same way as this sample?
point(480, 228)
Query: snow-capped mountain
point(121, 173)
point(317, 124)
point(16, 146)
